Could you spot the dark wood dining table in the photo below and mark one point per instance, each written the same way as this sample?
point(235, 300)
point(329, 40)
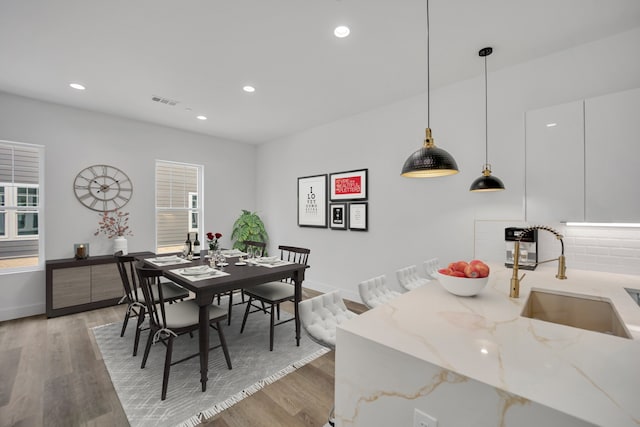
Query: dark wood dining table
point(240, 277)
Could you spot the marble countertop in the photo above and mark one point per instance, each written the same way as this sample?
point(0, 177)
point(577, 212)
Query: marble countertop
point(589, 375)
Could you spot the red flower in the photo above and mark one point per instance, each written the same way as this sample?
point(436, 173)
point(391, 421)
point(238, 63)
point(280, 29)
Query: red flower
point(210, 235)
point(218, 235)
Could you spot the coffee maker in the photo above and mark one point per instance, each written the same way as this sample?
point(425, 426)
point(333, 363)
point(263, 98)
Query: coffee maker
point(528, 259)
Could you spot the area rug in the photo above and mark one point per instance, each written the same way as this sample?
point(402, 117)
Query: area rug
point(254, 367)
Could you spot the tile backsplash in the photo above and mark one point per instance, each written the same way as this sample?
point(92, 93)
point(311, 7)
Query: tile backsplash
point(615, 250)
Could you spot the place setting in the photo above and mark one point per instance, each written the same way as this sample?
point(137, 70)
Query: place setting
point(199, 272)
point(167, 260)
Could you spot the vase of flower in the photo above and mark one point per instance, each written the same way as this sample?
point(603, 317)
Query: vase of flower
point(120, 244)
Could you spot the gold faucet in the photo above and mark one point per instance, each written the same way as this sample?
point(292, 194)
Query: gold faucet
point(562, 267)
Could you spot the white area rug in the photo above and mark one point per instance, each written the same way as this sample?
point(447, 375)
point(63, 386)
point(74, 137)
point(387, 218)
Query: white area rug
point(254, 366)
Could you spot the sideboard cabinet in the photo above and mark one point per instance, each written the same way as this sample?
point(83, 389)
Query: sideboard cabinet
point(80, 285)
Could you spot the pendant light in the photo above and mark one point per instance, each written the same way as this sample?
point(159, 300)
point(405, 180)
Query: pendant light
point(429, 161)
point(486, 182)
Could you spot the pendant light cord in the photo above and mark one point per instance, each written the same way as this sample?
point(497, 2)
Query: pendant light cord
point(486, 115)
point(428, 74)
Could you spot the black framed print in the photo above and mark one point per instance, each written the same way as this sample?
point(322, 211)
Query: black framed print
point(312, 201)
point(338, 216)
point(359, 216)
point(349, 185)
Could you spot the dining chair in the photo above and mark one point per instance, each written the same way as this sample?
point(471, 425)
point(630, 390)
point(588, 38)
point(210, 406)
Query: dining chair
point(260, 247)
point(320, 317)
point(375, 292)
point(409, 279)
point(431, 266)
point(275, 293)
point(168, 321)
point(134, 296)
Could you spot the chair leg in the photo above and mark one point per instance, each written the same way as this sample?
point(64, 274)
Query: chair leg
point(223, 343)
point(138, 325)
point(246, 313)
point(271, 329)
point(167, 367)
point(126, 321)
point(278, 308)
point(230, 305)
point(147, 348)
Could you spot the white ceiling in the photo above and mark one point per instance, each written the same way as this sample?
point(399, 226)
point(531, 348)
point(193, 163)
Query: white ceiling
point(201, 53)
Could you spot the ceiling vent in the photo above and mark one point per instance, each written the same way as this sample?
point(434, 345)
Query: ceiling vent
point(163, 100)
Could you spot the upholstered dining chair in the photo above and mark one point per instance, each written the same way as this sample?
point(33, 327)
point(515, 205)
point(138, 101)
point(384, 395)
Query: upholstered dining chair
point(320, 317)
point(409, 279)
point(375, 292)
point(258, 247)
point(134, 296)
point(168, 321)
point(275, 293)
point(431, 266)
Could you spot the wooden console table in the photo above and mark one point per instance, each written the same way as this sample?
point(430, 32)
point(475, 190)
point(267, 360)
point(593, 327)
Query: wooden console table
point(81, 285)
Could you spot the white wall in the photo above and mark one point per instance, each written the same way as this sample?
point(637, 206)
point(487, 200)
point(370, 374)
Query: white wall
point(413, 220)
point(74, 139)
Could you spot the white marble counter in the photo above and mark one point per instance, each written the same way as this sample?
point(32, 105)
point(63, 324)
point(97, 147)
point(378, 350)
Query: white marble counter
point(590, 376)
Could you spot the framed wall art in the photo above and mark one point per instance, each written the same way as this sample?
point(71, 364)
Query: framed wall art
point(338, 216)
point(312, 201)
point(359, 216)
point(350, 185)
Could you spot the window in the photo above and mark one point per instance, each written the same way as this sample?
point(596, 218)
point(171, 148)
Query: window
point(178, 204)
point(20, 205)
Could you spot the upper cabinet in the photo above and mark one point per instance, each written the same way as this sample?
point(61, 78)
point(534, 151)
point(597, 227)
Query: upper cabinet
point(583, 160)
point(554, 148)
point(612, 157)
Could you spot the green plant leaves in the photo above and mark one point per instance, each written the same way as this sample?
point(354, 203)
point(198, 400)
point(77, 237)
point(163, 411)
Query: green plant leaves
point(248, 226)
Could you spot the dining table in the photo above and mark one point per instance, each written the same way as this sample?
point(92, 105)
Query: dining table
point(242, 276)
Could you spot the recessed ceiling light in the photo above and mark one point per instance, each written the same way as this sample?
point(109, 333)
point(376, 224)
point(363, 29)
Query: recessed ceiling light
point(550, 125)
point(77, 86)
point(341, 31)
point(201, 117)
point(249, 89)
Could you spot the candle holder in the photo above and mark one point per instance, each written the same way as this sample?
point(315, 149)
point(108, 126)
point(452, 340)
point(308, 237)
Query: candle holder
point(81, 250)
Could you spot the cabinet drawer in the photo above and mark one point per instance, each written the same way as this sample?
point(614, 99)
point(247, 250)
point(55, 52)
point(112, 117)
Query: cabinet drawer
point(71, 286)
point(105, 282)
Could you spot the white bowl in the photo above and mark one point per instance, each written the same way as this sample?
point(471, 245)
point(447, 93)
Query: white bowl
point(462, 286)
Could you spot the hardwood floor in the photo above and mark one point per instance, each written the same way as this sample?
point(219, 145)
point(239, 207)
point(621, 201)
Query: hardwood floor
point(52, 374)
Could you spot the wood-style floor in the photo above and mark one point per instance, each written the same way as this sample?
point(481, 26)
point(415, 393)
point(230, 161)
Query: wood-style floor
point(52, 374)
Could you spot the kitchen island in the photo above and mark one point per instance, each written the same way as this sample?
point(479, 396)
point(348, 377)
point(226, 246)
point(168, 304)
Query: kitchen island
point(475, 361)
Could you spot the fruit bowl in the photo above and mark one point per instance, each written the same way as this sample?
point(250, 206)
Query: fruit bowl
point(462, 286)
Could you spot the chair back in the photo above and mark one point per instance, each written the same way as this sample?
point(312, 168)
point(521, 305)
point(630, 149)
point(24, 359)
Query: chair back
point(294, 254)
point(409, 279)
point(260, 245)
point(321, 315)
point(374, 292)
point(128, 276)
point(431, 266)
point(153, 297)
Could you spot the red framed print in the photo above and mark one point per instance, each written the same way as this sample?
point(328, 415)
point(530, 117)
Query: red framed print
point(349, 185)
point(312, 201)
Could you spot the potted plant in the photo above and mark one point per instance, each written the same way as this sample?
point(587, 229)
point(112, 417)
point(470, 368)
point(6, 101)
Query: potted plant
point(248, 226)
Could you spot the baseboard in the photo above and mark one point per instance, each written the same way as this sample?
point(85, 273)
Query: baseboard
point(24, 311)
point(324, 288)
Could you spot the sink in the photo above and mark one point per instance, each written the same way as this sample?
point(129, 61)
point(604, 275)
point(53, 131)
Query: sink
point(577, 310)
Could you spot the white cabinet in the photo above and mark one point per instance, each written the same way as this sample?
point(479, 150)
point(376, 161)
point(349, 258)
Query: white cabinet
point(554, 153)
point(583, 160)
point(612, 157)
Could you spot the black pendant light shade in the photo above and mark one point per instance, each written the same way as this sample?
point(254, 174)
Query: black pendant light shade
point(486, 182)
point(429, 161)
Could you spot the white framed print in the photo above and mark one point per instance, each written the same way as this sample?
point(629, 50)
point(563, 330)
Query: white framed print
point(312, 201)
point(338, 216)
point(359, 216)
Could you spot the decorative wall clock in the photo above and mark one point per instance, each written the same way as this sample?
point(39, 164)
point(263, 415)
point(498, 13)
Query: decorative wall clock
point(103, 188)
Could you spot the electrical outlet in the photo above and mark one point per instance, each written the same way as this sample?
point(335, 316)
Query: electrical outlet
point(420, 419)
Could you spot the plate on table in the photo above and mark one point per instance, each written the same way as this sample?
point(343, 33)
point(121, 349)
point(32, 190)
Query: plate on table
point(166, 259)
point(269, 260)
point(241, 263)
point(197, 271)
point(222, 264)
